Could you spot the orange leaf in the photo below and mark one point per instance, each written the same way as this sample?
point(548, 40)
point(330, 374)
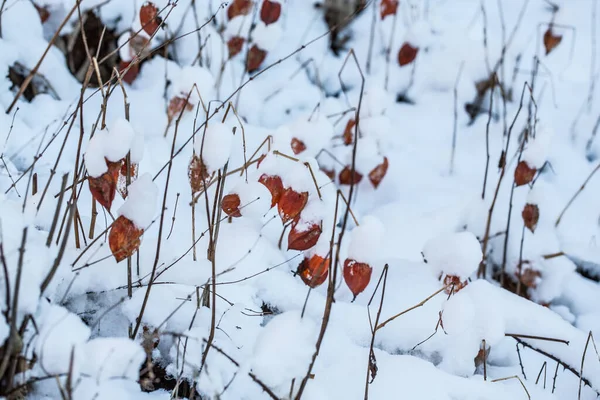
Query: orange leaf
point(124, 238)
point(256, 56)
point(349, 132)
point(407, 54)
point(378, 173)
point(239, 7)
point(291, 203)
point(231, 205)
point(388, 7)
point(149, 18)
point(131, 74)
point(313, 271)
point(234, 45)
point(275, 186)
point(104, 187)
point(348, 178)
point(197, 174)
point(551, 40)
point(524, 174)
point(270, 11)
point(357, 275)
point(531, 216)
point(298, 146)
point(303, 239)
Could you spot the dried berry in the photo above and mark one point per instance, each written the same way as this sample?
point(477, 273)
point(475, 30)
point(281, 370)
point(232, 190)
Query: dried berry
point(524, 174)
point(407, 54)
point(357, 276)
point(313, 271)
point(291, 204)
point(531, 215)
point(256, 56)
point(305, 237)
point(124, 238)
point(270, 11)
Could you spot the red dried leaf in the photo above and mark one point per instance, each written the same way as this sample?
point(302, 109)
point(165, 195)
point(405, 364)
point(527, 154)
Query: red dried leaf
point(149, 18)
point(378, 173)
point(531, 215)
point(124, 238)
point(298, 146)
point(270, 11)
point(348, 178)
point(43, 12)
point(197, 174)
point(388, 7)
point(349, 132)
point(131, 73)
point(357, 275)
point(551, 40)
point(313, 271)
point(291, 204)
point(453, 284)
point(104, 187)
point(524, 174)
point(231, 205)
point(256, 56)
point(303, 239)
point(275, 186)
point(407, 54)
point(234, 45)
point(122, 179)
point(239, 7)
point(176, 104)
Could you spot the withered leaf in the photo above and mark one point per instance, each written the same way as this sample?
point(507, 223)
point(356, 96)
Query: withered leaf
point(313, 271)
point(239, 7)
point(104, 187)
point(234, 45)
point(357, 275)
point(531, 216)
point(270, 11)
point(298, 146)
point(305, 238)
point(231, 205)
point(291, 203)
point(256, 56)
point(275, 186)
point(551, 40)
point(378, 173)
point(149, 18)
point(524, 174)
point(124, 238)
point(348, 178)
point(388, 7)
point(407, 54)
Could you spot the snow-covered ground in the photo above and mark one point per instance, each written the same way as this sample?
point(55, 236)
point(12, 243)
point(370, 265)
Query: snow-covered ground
point(206, 252)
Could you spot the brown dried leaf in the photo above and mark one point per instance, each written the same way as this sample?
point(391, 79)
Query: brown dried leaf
point(551, 40)
point(124, 238)
point(388, 7)
point(256, 56)
point(239, 7)
point(197, 174)
point(122, 179)
point(149, 18)
point(530, 277)
point(131, 74)
point(357, 275)
point(313, 271)
point(531, 216)
point(349, 132)
point(453, 284)
point(104, 187)
point(348, 178)
point(407, 54)
point(270, 11)
point(275, 186)
point(234, 45)
point(298, 146)
point(291, 204)
point(231, 205)
point(176, 104)
point(378, 173)
point(524, 173)
point(303, 239)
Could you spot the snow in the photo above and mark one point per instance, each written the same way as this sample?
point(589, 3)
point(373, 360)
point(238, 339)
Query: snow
point(141, 202)
point(456, 254)
point(218, 142)
point(284, 349)
point(431, 205)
